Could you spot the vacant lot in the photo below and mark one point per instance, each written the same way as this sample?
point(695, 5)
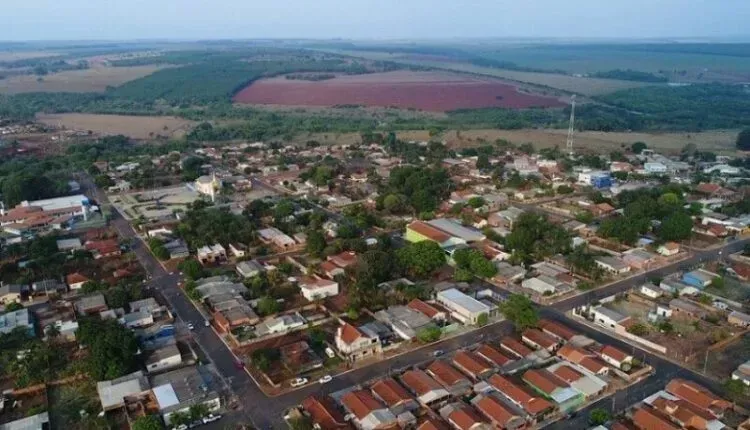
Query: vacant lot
point(137, 127)
point(589, 141)
point(570, 84)
point(429, 91)
point(95, 79)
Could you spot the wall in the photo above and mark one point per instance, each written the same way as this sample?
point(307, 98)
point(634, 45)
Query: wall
point(620, 330)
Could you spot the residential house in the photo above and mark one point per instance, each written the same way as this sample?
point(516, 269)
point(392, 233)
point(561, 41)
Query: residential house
point(585, 383)
point(699, 278)
point(499, 414)
point(688, 308)
point(651, 291)
point(541, 284)
point(274, 236)
point(427, 309)
point(561, 332)
point(607, 317)
point(649, 419)
point(739, 319)
point(430, 423)
point(298, 357)
point(492, 355)
point(638, 258)
point(91, 304)
point(164, 358)
point(356, 345)
point(455, 229)
point(75, 281)
point(516, 348)
point(450, 378)
point(394, 395)
point(367, 412)
point(472, 364)
point(225, 299)
point(177, 248)
point(324, 413)
point(404, 321)
point(612, 264)
point(211, 254)
point(537, 339)
point(178, 390)
point(13, 320)
point(509, 273)
point(69, 245)
point(614, 356)
point(12, 293)
point(249, 269)
point(428, 391)
point(464, 308)
point(698, 396)
point(668, 249)
point(682, 413)
point(419, 231)
point(33, 422)
point(505, 218)
point(238, 250)
point(583, 358)
point(461, 416)
point(103, 248)
point(742, 373)
point(314, 288)
point(113, 393)
point(551, 386)
point(536, 407)
point(279, 324)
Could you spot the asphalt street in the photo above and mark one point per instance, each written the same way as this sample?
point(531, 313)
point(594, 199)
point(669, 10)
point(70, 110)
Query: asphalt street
point(267, 412)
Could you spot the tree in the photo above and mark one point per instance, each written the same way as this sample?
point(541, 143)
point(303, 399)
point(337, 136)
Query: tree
point(483, 162)
point(264, 358)
point(735, 390)
point(112, 348)
point(743, 140)
point(476, 202)
point(198, 411)
point(147, 422)
point(421, 259)
point(483, 319)
point(520, 311)
point(177, 419)
point(268, 306)
point(676, 227)
point(638, 147)
point(429, 334)
point(598, 416)
point(13, 306)
point(394, 203)
point(191, 268)
point(638, 329)
point(301, 422)
point(316, 243)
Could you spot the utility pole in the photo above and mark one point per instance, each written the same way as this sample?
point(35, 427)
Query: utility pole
point(705, 362)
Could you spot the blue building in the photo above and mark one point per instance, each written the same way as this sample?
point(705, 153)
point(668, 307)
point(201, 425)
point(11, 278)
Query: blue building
point(601, 181)
point(699, 278)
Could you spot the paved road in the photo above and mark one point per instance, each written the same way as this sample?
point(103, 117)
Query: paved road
point(266, 412)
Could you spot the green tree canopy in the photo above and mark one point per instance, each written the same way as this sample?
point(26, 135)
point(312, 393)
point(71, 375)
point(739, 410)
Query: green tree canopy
point(598, 416)
point(520, 311)
point(743, 140)
point(111, 346)
point(147, 422)
point(421, 259)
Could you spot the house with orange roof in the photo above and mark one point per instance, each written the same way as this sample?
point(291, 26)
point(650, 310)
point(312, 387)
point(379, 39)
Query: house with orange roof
point(394, 395)
point(324, 413)
point(650, 419)
point(430, 423)
point(614, 356)
point(536, 407)
point(368, 413)
point(683, 413)
point(698, 396)
point(427, 309)
point(539, 340)
point(516, 348)
point(554, 388)
point(556, 330)
point(472, 364)
point(429, 392)
point(583, 358)
point(463, 417)
point(586, 383)
point(354, 344)
point(493, 356)
point(497, 413)
point(76, 280)
point(449, 377)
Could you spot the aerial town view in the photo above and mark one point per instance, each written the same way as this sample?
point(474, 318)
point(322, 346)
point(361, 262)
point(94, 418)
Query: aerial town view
point(239, 215)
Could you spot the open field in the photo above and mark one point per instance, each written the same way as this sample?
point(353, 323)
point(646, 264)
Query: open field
point(26, 55)
point(570, 84)
point(95, 79)
point(429, 91)
point(721, 141)
point(137, 127)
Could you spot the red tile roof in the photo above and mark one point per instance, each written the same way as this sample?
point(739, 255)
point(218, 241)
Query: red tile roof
point(544, 380)
point(431, 424)
point(567, 374)
point(697, 395)
point(649, 420)
point(516, 347)
point(361, 403)
point(493, 355)
point(324, 413)
point(429, 231)
point(540, 338)
point(613, 353)
point(445, 373)
point(75, 278)
point(419, 382)
point(556, 329)
point(531, 404)
point(349, 333)
point(391, 392)
point(464, 417)
point(495, 410)
point(423, 307)
point(471, 363)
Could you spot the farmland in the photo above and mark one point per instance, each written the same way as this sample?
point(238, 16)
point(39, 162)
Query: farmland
point(95, 79)
point(429, 91)
point(137, 127)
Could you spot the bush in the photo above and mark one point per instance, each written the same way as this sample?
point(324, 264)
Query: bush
point(638, 329)
point(429, 334)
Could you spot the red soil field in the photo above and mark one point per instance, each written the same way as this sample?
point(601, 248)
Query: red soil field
point(427, 91)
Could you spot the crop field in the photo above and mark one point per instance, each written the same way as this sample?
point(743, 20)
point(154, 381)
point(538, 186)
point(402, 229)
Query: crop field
point(721, 141)
point(137, 127)
point(25, 55)
point(428, 91)
point(570, 84)
point(95, 79)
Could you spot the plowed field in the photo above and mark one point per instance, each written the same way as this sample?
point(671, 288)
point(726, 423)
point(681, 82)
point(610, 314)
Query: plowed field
point(428, 91)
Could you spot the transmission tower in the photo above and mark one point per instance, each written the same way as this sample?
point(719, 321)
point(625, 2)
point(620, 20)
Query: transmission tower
point(571, 126)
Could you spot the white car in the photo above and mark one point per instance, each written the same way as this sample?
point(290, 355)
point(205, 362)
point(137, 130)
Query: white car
point(190, 326)
point(330, 353)
point(181, 427)
point(206, 323)
point(298, 382)
point(211, 418)
point(325, 379)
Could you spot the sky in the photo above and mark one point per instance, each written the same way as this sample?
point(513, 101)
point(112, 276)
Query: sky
point(370, 19)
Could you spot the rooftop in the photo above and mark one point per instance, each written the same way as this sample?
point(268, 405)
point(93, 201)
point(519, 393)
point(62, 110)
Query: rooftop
point(462, 300)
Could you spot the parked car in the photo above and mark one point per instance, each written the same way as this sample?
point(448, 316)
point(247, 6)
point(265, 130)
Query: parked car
point(190, 326)
point(211, 418)
point(206, 323)
point(325, 379)
point(298, 382)
point(330, 353)
point(181, 427)
point(437, 353)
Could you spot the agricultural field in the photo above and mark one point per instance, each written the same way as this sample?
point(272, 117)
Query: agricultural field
point(569, 84)
point(94, 79)
point(137, 127)
point(721, 141)
point(428, 91)
point(7, 56)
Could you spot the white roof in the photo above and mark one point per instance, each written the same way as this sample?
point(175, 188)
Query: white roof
point(538, 285)
point(463, 301)
point(58, 203)
point(165, 396)
point(34, 422)
point(455, 229)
